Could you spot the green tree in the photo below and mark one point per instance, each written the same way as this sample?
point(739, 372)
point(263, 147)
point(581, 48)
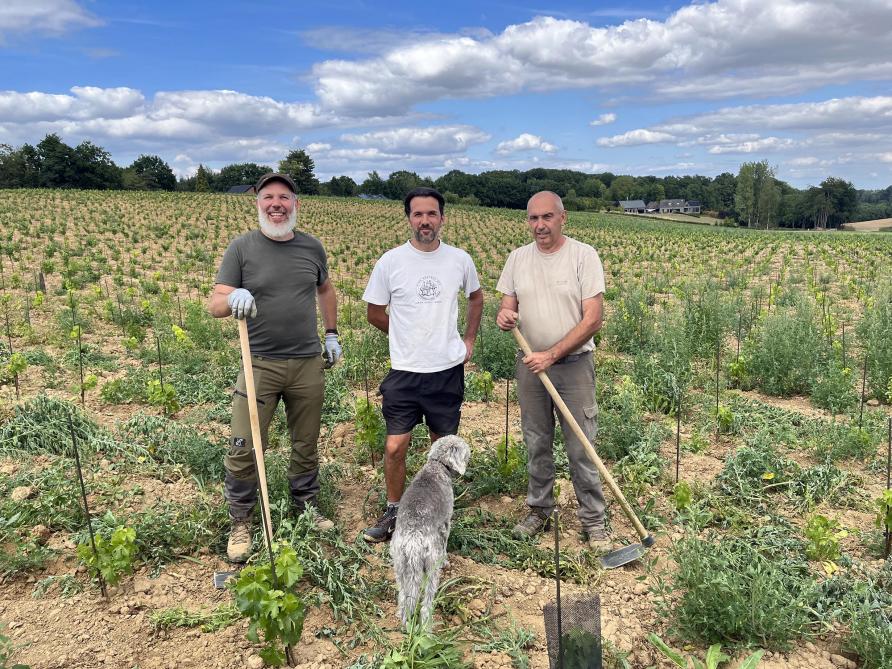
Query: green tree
point(95, 167)
point(342, 186)
point(58, 163)
point(239, 174)
point(720, 194)
point(622, 188)
point(152, 173)
point(842, 199)
point(201, 180)
point(373, 184)
point(300, 167)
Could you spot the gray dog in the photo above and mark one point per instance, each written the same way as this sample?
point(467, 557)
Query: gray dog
point(418, 547)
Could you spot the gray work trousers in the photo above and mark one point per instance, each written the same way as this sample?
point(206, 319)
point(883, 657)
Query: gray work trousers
point(300, 383)
point(575, 383)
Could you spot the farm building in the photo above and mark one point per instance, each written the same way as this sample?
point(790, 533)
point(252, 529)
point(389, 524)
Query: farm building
point(679, 207)
point(632, 206)
point(242, 190)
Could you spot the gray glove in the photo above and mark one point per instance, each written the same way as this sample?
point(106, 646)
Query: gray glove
point(241, 302)
point(333, 350)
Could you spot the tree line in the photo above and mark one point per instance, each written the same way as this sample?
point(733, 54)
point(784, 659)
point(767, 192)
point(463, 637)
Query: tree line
point(753, 197)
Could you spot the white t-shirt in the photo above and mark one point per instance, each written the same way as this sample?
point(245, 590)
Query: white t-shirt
point(550, 288)
point(422, 288)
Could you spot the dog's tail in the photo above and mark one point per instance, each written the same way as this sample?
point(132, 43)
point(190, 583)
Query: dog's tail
point(416, 564)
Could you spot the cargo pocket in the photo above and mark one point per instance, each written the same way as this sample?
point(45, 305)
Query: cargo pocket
point(591, 421)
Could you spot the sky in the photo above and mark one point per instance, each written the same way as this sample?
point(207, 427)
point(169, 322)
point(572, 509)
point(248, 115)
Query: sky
point(643, 87)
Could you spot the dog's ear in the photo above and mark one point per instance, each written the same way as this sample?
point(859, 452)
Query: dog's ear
point(458, 453)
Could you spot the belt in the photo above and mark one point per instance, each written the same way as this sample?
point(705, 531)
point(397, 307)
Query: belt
point(573, 357)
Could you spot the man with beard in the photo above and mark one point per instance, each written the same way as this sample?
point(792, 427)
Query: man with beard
point(420, 282)
point(272, 277)
point(555, 287)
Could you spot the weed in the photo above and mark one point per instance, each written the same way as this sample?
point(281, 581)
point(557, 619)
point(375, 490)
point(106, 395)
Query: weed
point(833, 388)
point(513, 641)
point(371, 432)
point(499, 472)
point(422, 648)
point(214, 620)
point(7, 650)
point(738, 590)
point(65, 584)
point(714, 656)
point(873, 331)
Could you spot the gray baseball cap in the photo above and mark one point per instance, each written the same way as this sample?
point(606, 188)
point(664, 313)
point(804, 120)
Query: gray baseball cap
point(275, 176)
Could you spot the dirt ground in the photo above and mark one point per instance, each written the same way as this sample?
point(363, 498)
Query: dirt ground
point(83, 630)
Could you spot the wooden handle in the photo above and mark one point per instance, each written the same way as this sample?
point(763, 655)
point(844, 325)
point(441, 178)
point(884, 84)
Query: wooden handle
point(255, 422)
point(589, 449)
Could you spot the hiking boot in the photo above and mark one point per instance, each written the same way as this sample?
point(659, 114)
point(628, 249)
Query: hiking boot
point(239, 547)
point(383, 528)
point(597, 539)
point(535, 523)
point(319, 521)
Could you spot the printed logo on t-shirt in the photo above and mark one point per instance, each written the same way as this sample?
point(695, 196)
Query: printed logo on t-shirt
point(429, 288)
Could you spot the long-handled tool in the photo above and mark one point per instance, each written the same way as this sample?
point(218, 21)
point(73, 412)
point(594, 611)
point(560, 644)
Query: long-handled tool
point(220, 578)
point(623, 555)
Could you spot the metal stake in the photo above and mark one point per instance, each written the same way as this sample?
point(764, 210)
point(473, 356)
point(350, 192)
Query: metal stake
point(863, 388)
point(507, 394)
point(557, 582)
point(677, 435)
point(80, 477)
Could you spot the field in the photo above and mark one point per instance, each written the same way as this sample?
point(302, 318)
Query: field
point(735, 358)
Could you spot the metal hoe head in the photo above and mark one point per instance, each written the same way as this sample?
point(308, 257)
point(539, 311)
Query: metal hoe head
point(626, 554)
point(220, 578)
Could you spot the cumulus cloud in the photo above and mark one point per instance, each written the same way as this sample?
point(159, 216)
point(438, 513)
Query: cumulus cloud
point(709, 50)
point(122, 113)
point(754, 146)
point(635, 138)
point(525, 142)
point(48, 17)
point(436, 140)
point(603, 119)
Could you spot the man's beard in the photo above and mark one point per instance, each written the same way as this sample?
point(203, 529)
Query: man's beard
point(419, 232)
point(278, 231)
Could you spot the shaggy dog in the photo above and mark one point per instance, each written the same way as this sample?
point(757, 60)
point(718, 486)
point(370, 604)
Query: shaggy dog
point(418, 547)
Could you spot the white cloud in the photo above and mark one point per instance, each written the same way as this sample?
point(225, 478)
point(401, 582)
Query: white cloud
point(48, 17)
point(753, 146)
point(708, 50)
point(603, 119)
point(525, 142)
point(434, 140)
point(635, 138)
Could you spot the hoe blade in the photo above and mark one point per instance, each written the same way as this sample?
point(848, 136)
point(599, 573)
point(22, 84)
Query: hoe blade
point(622, 556)
point(220, 578)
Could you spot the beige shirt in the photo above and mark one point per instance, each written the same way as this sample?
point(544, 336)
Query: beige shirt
point(550, 288)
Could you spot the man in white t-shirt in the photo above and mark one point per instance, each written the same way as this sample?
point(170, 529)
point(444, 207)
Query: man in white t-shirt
point(555, 288)
point(420, 282)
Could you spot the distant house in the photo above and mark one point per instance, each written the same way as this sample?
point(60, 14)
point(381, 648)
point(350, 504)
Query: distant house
point(242, 190)
point(366, 196)
point(679, 207)
point(632, 206)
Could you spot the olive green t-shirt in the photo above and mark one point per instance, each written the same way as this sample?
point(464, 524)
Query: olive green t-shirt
point(550, 288)
point(283, 278)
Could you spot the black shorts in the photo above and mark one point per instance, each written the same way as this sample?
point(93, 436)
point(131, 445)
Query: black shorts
point(435, 396)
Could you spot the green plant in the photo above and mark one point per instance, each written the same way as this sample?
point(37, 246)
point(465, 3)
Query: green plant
point(823, 535)
point(113, 557)
point(214, 620)
point(370, 429)
point(741, 590)
point(513, 640)
point(833, 387)
point(164, 396)
point(681, 495)
point(422, 648)
point(579, 647)
point(478, 386)
point(873, 332)
point(16, 364)
point(273, 608)
point(725, 419)
point(714, 656)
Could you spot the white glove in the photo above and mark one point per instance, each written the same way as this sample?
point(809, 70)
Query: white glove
point(333, 350)
point(241, 302)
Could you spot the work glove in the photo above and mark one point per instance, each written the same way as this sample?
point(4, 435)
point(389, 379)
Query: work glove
point(241, 302)
point(333, 350)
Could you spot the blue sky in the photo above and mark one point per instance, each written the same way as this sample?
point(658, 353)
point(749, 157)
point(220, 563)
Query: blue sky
point(645, 88)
